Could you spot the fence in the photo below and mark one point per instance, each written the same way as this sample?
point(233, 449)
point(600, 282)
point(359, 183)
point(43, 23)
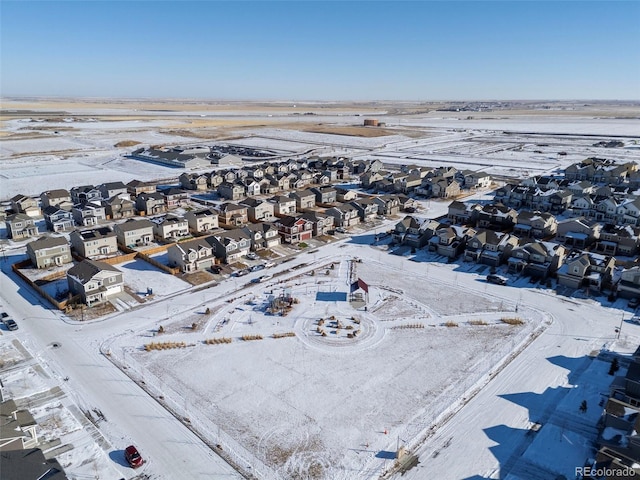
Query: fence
point(62, 305)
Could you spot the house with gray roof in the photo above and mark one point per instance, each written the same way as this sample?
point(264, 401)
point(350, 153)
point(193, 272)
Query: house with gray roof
point(192, 255)
point(47, 252)
point(170, 228)
point(96, 243)
point(263, 235)
point(89, 213)
point(258, 210)
point(151, 203)
point(26, 205)
point(56, 198)
point(134, 233)
point(202, 221)
point(29, 464)
point(230, 245)
point(17, 429)
point(113, 189)
point(96, 282)
point(537, 259)
point(58, 219)
point(305, 199)
point(20, 226)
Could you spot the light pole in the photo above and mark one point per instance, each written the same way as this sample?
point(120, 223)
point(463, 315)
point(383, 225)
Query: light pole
point(619, 329)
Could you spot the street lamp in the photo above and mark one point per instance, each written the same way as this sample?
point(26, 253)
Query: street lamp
point(619, 329)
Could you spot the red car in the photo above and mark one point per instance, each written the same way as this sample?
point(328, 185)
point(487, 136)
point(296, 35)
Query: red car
point(133, 457)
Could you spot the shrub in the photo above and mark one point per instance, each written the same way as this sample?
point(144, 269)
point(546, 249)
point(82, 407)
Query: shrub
point(287, 334)
point(160, 329)
point(512, 321)
point(248, 338)
point(477, 322)
point(450, 324)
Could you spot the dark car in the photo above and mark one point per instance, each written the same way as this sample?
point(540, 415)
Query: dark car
point(634, 302)
point(133, 457)
point(497, 279)
point(10, 324)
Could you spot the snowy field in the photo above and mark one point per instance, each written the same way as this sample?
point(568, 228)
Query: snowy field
point(318, 407)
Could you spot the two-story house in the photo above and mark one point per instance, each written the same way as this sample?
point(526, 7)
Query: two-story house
point(283, 205)
point(325, 195)
point(151, 203)
point(89, 214)
point(535, 225)
point(230, 245)
point(258, 210)
point(294, 229)
point(537, 259)
point(344, 215)
point(202, 221)
point(49, 251)
point(232, 215)
point(321, 224)
point(305, 199)
point(96, 243)
point(58, 219)
point(134, 233)
point(170, 228)
point(56, 198)
point(136, 187)
point(20, 226)
point(232, 190)
point(263, 235)
point(117, 207)
point(96, 282)
point(25, 205)
point(192, 255)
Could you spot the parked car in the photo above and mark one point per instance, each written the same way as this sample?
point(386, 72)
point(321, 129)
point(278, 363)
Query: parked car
point(4, 315)
point(269, 265)
point(635, 319)
point(216, 269)
point(10, 323)
point(133, 457)
point(634, 302)
point(255, 268)
point(341, 230)
point(497, 279)
point(252, 256)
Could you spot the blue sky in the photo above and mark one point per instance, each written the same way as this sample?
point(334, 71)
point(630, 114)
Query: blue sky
point(321, 50)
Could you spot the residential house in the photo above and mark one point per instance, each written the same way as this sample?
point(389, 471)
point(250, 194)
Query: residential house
point(151, 203)
point(321, 224)
point(577, 233)
point(629, 211)
point(535, 225)
point(324, 195)
point(258, 210)
point(56, 198)
point(17, 430)
point(367, 208)
point(18, 463)
point(476, 180)
point(251, 186)
point(387, 204)
point(134, 233)
point(369, 179)
point(96, 243)
point(214, 180)
point(230, 245)
point(47, 252)
point(20, 225)
point(489, 247)
point(232, 191)
point(117, 207)
point(629, 284)
point(170, 228)
point(114, 189)
point(409, 231)
point(450, 241)
point(192, 255)
point(559, 201)
point(202, 221)
point(496, 217)
point(85, 193)
point(305, 199)
point(618, 240)
point(96, 282)
point(462, 213)
point(345, 195)
point(175, 197)
point(194, 181)
point(232, 215)
point(294, 229)
point(586, 269)
point(25, 205)
point(344, 215)
point(263, 235)
point(537, 259)
point(136, 187)
point(283, 205)
point(58, 219)
point(89, 214)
